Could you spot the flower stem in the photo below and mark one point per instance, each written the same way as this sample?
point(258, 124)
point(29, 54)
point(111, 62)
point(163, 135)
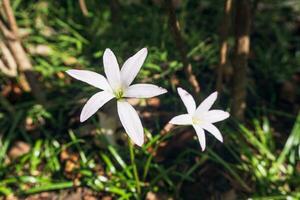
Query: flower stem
point(135, 172)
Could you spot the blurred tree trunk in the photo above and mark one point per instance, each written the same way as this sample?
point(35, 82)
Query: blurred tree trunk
point(115, 10)
point(224, 32)
point(180, 44)
point(10, 38)
point(240, 59)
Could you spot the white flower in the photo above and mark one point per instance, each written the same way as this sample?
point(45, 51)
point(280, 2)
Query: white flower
point(200, 118)
point(117, 85)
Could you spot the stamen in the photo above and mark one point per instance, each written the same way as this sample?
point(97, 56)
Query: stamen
point(119, 94)
point(196, 120)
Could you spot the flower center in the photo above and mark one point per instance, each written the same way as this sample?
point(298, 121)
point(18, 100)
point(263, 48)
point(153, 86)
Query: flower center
point(119, 93)
point(196, 120)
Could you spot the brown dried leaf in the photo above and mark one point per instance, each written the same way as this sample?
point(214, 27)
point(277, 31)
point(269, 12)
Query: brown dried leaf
point(18, 149)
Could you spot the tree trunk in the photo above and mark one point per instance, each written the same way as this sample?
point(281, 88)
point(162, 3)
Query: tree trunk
point(180, 44)
point(224, 32)
point(240, 60)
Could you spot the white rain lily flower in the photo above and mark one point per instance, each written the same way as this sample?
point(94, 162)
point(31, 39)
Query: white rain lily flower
point(117, 84)
point(200, 118)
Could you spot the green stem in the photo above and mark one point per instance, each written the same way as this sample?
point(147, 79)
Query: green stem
point(50, 186)
point(149, 159)
point(135, 172)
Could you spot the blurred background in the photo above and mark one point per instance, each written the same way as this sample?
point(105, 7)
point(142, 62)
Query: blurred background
point(247, 50)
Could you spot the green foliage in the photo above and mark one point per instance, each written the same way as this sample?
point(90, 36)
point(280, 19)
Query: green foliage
point(258, 156)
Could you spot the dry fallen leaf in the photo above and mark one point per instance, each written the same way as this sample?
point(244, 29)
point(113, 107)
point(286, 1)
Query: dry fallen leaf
point(18, 149)
point(155, 102)
point(157, 196)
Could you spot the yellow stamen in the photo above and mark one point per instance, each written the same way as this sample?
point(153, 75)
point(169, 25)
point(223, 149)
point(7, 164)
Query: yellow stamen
point(196, 120)
point(119, 93)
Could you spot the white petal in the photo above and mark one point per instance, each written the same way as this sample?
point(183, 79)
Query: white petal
point(213, 116)
point(201, 136)
point(184, 119)
point(131, 122)
point(92, 78)
point(111, 69)
point(94, 103)
point(144, 91)
point(213, 130)
point(207, 103)
point(132, 66)
point(188, 100)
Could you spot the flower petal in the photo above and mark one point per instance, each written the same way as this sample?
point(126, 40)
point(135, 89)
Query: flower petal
point(132, 66)
point(131, 122)
point(213, 130)
point(111, 69)
point(94, 103)
point(207, 103)
point(144, 91)
point(89, 77)
point(188, 100)
point(213, 116)
point(184, 119)
point(201, 136)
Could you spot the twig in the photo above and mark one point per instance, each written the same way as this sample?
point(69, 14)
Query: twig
point(6, 70)
point(174, 26)
point(83, 8)
point(8, 64)
point(5, 32)
point(10, 33)
point(224, 31)
point(10, 17)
